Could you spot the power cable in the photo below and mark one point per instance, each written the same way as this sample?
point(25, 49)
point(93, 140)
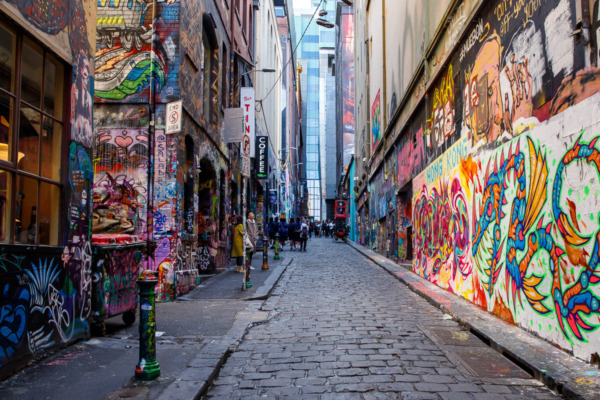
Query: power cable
point(293, 52)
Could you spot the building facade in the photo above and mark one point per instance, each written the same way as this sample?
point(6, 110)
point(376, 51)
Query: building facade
point(46, 85)
point(176, 190)
point(481, 168)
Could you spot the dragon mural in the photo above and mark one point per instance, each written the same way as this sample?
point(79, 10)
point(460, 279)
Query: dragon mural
point(572, 303)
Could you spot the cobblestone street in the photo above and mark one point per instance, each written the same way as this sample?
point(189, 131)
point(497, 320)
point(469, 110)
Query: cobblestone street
point(341, 327)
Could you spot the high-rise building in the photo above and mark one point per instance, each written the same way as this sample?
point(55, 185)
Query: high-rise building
point(315, 56)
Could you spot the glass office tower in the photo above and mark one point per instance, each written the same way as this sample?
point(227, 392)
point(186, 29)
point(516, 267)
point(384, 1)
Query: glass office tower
point(316, 40)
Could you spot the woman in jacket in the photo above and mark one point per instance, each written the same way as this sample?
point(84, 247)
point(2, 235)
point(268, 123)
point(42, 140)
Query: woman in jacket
point(237, 250)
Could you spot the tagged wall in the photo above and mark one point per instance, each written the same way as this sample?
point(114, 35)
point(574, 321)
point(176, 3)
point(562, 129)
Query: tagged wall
point(45, 292)
point(504, 169)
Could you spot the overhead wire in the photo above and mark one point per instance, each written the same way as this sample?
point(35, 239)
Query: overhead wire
point(294, 51)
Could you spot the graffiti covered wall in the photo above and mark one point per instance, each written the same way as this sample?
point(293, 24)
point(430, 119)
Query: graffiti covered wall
point(45, 292)
point(503, 171)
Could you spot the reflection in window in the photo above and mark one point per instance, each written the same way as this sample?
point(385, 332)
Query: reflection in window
point(31, 147)
point(51, 144)
point(5, 195)
point(49, 215)
point(6, 117)
point(7, 58)
point(29, 139)
point(26, 212)
point(31, 79)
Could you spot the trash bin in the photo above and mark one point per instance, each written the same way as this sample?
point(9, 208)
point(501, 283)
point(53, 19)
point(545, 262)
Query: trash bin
point(115, 269)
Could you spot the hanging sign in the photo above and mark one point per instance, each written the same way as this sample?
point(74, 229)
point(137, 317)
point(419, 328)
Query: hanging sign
point(262, 166)
point(174, 117)
point(247, 103)
point(245, 166)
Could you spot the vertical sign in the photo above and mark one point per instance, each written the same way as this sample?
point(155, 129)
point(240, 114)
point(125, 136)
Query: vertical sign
point(174, 117)
point(247, 102)
point(262, 144)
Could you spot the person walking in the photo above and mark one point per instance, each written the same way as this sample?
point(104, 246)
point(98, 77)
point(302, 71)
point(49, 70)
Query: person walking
point(273, 229)
point(294, 230)
point(311, 229)
point(303, 235)
point(237, 249)
point(252, 234)
point(283, 233)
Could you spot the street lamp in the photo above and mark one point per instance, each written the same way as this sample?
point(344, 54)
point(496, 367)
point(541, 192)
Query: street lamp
point(254, 70)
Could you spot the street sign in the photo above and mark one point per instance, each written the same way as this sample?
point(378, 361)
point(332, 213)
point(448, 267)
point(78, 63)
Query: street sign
point(262, 166)
point(174, 117)
point(246, 146)
point(245, 166)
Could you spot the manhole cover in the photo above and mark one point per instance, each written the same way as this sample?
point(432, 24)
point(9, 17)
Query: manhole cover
point(487, 363)
point(456, 338)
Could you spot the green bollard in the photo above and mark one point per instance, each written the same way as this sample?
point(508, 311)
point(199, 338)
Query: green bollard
point(276, 257)
point(248, 283)
point(265, 265)
point(147, 368)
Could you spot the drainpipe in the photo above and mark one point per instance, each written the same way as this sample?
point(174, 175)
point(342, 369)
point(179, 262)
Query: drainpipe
point(151, 132)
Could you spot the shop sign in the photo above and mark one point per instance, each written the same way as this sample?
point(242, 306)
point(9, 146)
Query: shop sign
point(247, 102)
point(262, 166)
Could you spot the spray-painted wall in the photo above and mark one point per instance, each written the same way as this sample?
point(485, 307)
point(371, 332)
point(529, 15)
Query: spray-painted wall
point(169, 189)
point(45, 292)
point(504, 171)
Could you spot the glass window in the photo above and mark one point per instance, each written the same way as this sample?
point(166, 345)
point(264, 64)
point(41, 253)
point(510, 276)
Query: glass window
point(5, 196)
point(54, 83)
point(7, 58)
point(49, 216)
point(6, 118)
point(29, 139)
point(26, 213)
point(32, 72)
point(30, 150)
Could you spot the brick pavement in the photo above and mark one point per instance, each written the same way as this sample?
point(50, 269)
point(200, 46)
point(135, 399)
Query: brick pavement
point(342, 328)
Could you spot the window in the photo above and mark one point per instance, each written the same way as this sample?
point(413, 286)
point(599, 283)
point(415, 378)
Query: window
point(32, 123)
point(207, 50)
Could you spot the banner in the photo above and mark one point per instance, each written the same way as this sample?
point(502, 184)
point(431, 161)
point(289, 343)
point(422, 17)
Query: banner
point(234, 125)
point(247, 102)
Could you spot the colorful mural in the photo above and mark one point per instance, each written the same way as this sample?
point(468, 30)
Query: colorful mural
point(121, 164)
point(45, 293)
point(134, 52)
point(375, 122)
point(503, 168)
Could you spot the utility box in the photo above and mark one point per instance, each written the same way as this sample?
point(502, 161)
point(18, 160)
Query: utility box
point(115, 269)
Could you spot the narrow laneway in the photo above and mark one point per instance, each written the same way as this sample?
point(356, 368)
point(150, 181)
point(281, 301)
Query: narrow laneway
point(341, 327)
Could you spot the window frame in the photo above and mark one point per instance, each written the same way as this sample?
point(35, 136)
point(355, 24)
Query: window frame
point(10, 167)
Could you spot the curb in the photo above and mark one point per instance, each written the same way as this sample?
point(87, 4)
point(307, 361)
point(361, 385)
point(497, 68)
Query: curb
point(568, 376)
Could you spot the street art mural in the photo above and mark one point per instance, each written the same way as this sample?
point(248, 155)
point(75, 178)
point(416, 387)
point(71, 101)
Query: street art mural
point(375, 122)
point(440, 125)
point(514, 67)
point(121, 164)
point(440, 216)
point(411, 157)
point(133, 52)
point(502, 157)
point(45, 293)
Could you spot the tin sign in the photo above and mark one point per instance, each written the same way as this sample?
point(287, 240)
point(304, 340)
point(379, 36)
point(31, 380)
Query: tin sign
point(247, 103)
